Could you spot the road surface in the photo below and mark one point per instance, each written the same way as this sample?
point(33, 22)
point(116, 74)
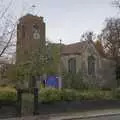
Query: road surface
point(111, 114)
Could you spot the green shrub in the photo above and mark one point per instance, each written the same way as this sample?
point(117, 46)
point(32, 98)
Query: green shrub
point(109, 95)
point(73, 81)
point(69, 95)
point(116, 93)
point(7, 94)
point(49, 95)
point(96, 95)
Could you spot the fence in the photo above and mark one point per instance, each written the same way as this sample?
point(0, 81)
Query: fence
point(27, 103)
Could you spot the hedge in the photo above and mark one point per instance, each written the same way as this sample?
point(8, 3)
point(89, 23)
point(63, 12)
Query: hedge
point(50, 95)
point(7, 94)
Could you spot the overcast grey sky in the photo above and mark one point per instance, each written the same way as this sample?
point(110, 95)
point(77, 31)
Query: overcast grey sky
point(68, 19)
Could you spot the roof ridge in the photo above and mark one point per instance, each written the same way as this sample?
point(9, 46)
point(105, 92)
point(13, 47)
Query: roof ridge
point(75, 48)
point(80, 42)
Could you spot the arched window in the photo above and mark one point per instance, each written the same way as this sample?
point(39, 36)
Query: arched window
point(91, 65)
point(72, 65)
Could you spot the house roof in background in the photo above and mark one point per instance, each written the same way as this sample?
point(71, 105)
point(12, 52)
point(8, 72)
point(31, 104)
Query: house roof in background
point(4, 60)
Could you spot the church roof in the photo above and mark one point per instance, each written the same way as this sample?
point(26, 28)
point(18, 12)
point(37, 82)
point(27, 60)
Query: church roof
point(79, 47)
point(75, 48)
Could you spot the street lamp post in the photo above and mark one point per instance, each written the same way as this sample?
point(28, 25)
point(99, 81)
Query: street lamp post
point(60, 66)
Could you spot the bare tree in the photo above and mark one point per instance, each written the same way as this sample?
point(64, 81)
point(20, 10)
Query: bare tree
point(111, 38)
point(7, 29)
point(8, 23)
point(87, 36)
point(3, 12)
point(111, 41)
point(116, 3)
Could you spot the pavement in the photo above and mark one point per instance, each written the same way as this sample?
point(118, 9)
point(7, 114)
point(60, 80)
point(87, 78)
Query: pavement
point(111, 117)
point(106, 114)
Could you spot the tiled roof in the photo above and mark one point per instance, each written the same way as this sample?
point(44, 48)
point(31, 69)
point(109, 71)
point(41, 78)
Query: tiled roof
point(76, 48)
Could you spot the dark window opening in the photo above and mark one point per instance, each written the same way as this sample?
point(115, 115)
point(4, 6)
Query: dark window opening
point(91, 65)
point(35, 27)
point(23, 31)
point(72, 65)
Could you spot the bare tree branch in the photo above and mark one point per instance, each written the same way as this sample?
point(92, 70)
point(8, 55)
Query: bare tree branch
point(111, 37)
point(6, 9)
point(7, 44)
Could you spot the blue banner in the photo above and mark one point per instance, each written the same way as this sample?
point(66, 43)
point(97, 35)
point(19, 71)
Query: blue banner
point(52, 81)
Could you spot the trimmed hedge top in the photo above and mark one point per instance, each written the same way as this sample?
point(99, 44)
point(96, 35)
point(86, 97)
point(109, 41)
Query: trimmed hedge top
point(7, 94)
point(50, 95)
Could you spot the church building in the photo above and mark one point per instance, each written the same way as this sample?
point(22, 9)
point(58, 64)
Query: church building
point(96, 69)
